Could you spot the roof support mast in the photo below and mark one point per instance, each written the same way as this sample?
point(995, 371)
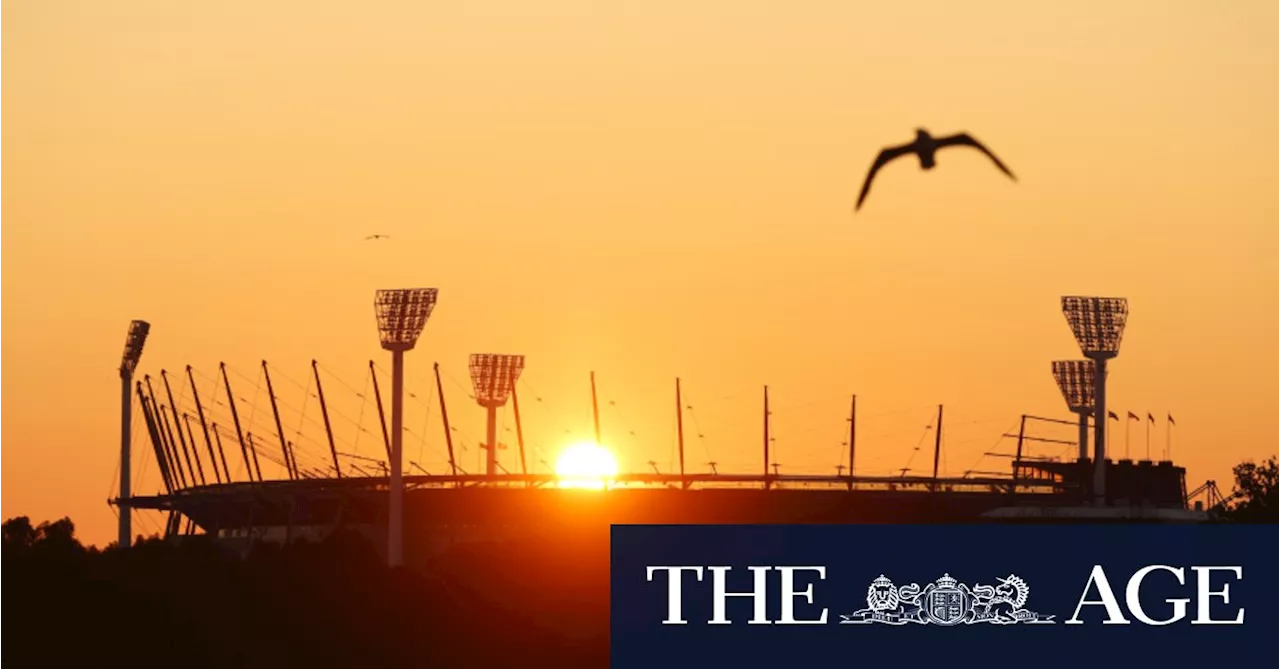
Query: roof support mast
point(235, 418)
point(208, 442)
point(382, 413)
point(684, 483)
point(182, 440)
point(188, 476)
point(217, 439)
point(766, 438)
point(595, 408)
point(937, 446)
point(290, 466)
point(853, 436)
point(171, 465)
point(515, 408)
point(191, 437)
point(166, 436)
point(444, 415)
point(324, 411)
point(154, 433)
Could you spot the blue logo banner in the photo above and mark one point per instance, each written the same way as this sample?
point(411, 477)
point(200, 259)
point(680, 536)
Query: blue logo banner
point(944, 595)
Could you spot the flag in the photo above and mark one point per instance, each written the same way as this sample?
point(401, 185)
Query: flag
point(1171, 421)
point(1150, 417)
point(1133, 416)
point(1112, 415)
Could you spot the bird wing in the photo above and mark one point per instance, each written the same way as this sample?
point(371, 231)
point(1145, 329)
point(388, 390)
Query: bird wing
point(885, 156)
point(965, 139)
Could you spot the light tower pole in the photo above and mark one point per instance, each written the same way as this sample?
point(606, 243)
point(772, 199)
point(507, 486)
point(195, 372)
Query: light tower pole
point(401, 314)
point(493, 376)
point(1098, 325)
point(133, 344)
point(1075, 379)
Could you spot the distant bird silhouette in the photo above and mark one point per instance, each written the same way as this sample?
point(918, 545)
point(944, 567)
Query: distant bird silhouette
point(925, 146)
point(377, 237)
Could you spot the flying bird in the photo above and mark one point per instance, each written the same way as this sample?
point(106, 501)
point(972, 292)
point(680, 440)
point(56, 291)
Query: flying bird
point(925, 146)
point(377, 237)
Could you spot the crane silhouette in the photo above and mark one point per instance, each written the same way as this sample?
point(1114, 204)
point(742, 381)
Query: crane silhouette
point(925, 146)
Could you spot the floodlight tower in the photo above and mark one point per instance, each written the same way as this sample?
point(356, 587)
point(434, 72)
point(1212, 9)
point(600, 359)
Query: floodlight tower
point(133, 343)
point(401, 314)
point(1098, 325)
point(1075, 379)
point(493, 376)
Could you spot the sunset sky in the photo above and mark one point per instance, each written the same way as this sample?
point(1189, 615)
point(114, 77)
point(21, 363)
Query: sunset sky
point(647, 190)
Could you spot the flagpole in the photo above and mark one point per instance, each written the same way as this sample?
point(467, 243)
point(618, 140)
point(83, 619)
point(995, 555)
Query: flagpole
point(1168, 438)
point(1148, 435)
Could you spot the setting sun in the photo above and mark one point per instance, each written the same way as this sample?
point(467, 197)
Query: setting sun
point(585, 466)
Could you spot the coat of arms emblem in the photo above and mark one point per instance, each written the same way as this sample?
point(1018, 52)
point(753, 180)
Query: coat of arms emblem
point(946, 602)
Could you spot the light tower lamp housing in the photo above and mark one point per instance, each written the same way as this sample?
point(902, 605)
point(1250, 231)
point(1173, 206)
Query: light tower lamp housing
point(402, 314)
point(493, 376)
point(133, 343)
point(1097, 323)
point(1076, 381)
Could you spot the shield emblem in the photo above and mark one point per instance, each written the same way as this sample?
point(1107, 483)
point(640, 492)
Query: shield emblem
point(946, 606)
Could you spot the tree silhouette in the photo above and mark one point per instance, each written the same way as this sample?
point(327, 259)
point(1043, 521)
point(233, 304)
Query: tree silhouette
point(1253, 498)
point(327, 603)
point(57, 538)
point(19, 535)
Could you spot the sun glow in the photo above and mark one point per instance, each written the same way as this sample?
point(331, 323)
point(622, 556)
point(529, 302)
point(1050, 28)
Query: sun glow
point(585, 465)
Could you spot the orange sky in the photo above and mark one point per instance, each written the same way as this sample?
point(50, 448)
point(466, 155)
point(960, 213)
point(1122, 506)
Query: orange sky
point(646, 189)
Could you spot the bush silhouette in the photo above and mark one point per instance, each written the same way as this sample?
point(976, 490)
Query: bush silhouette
point(1253, 498)
point(331, 603)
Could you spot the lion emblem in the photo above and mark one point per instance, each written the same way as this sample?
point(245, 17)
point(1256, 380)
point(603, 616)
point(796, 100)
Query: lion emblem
point(881, 595)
